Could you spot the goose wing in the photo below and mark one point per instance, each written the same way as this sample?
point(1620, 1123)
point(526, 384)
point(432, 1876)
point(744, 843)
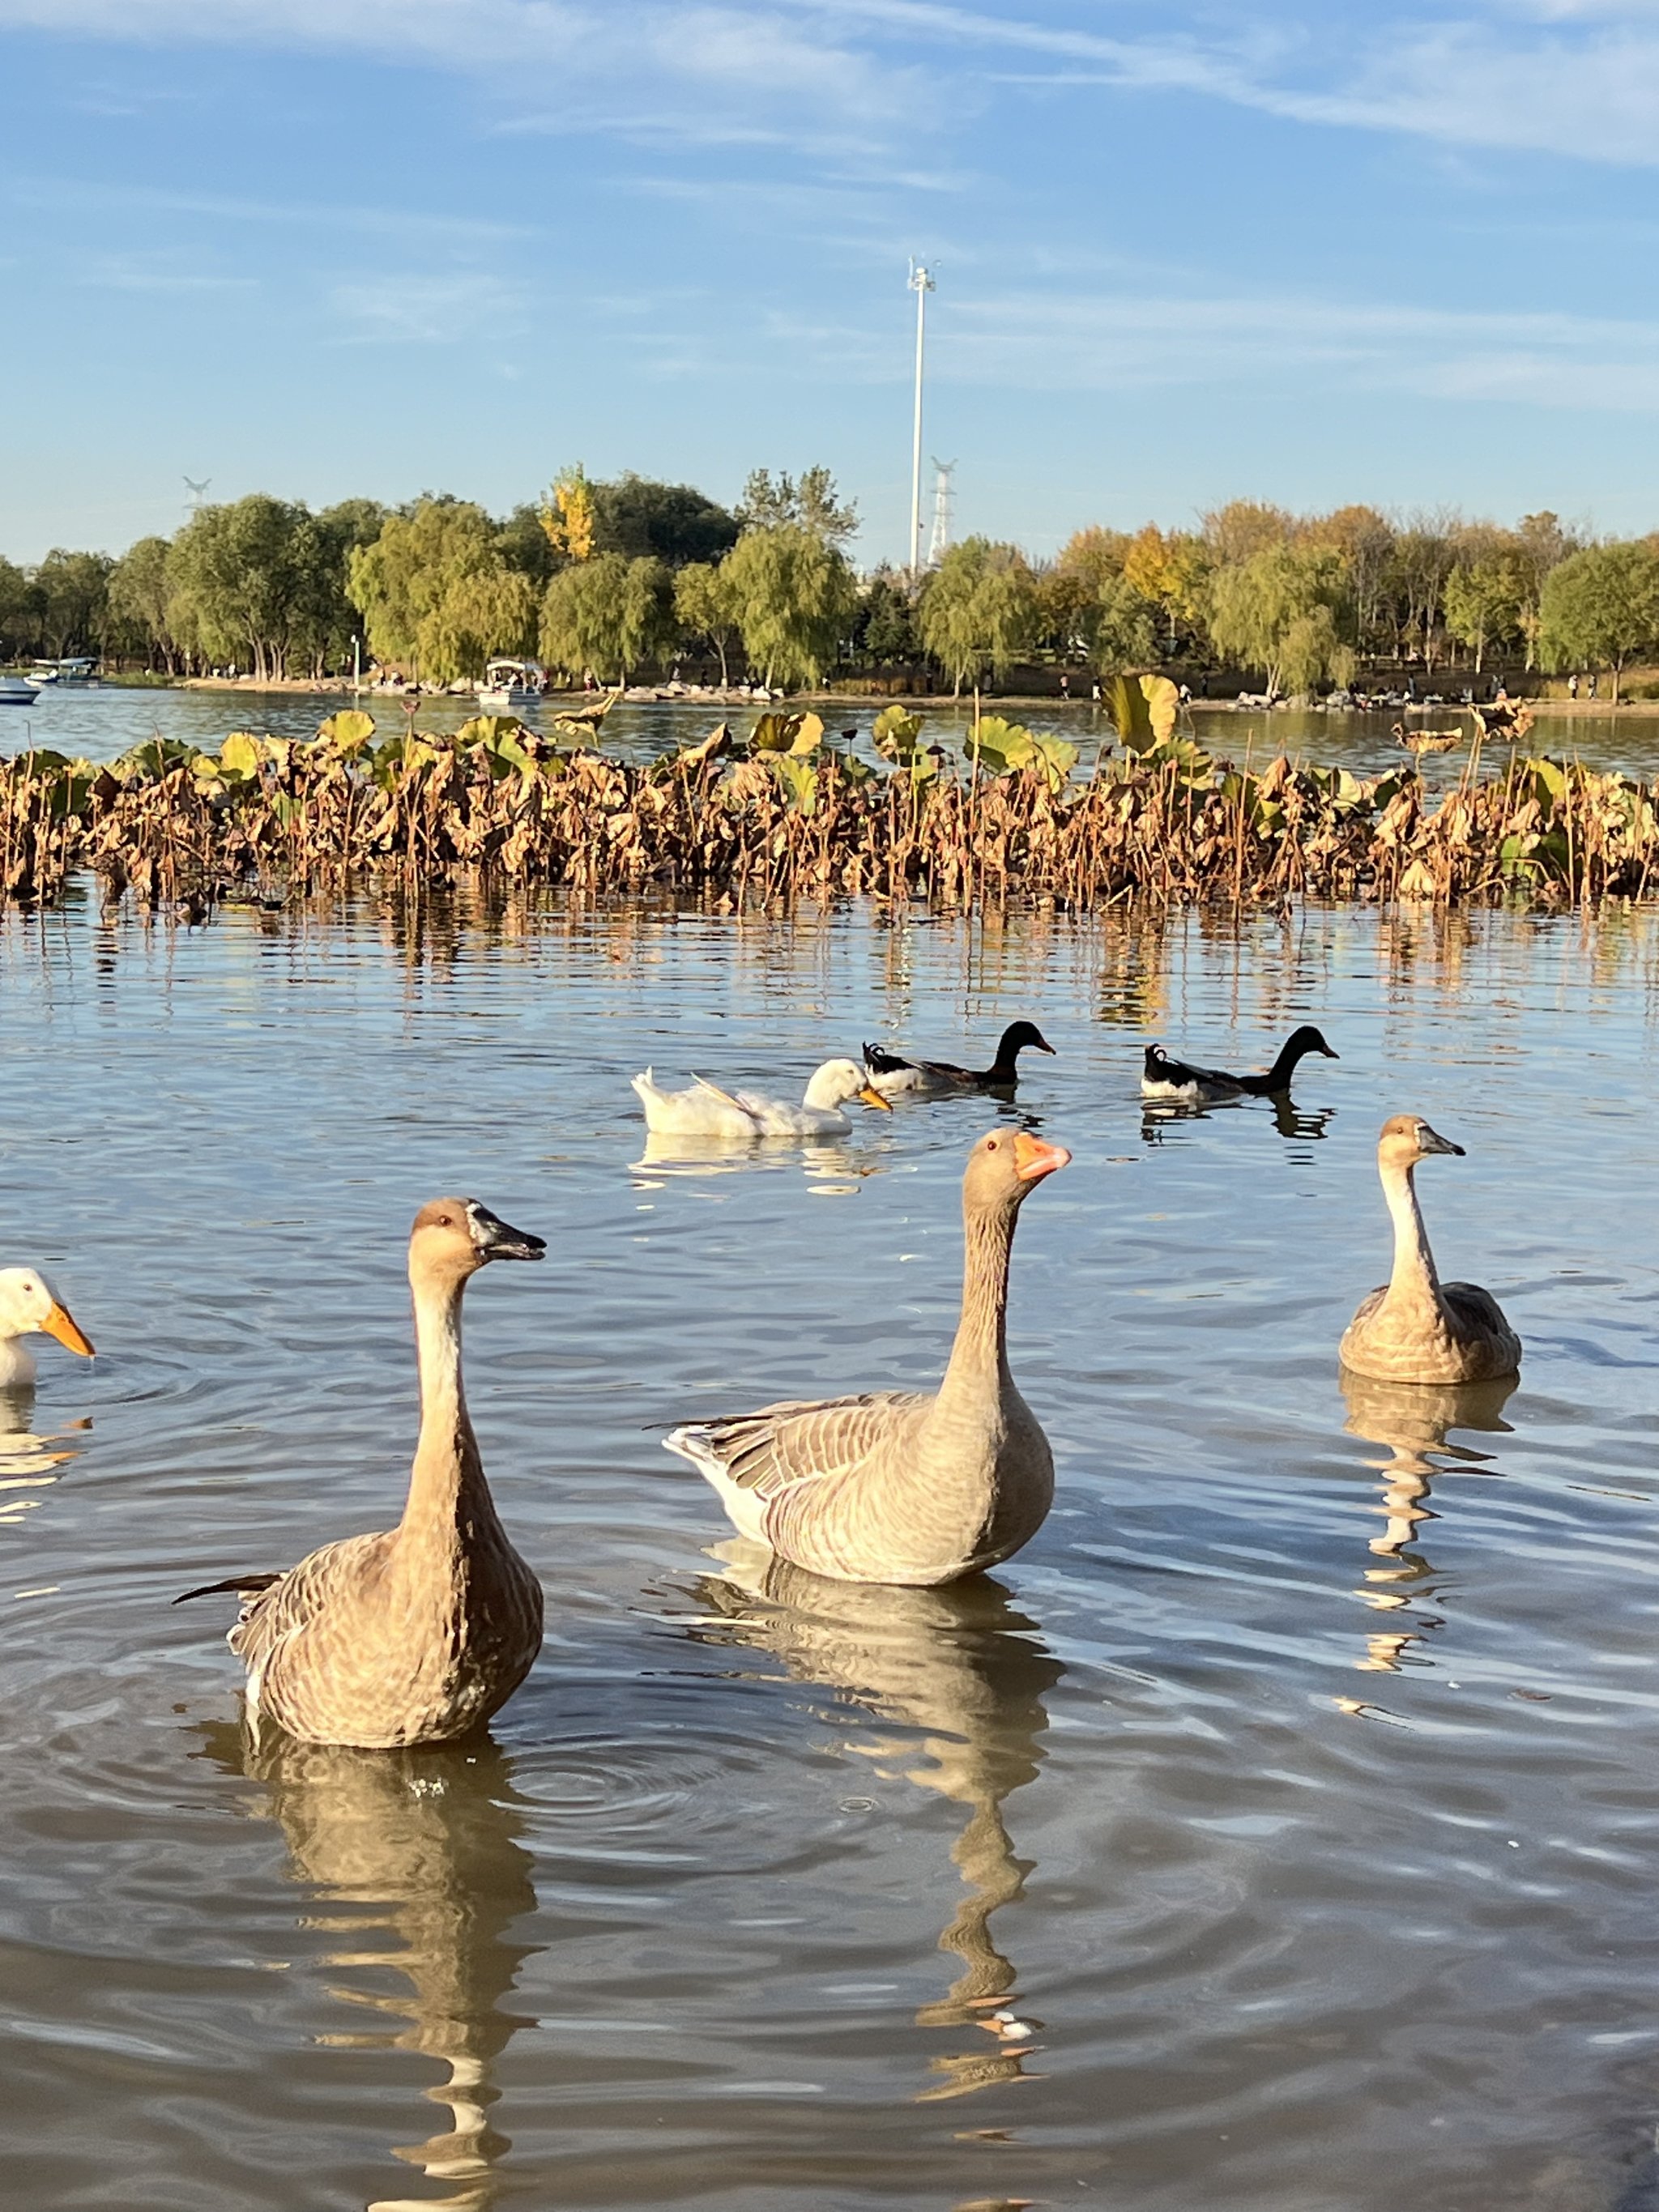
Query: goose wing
point(1477, 1308)
point(294, 1601)
point(798, 1440)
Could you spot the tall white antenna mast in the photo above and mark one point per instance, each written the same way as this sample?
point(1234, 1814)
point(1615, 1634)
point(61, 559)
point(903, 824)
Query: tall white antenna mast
point(943, 472)
point(198, 493)
point(921, 283)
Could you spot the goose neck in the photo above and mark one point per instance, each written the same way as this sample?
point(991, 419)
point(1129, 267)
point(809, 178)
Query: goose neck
point(979, 1358)
point(446, 1486)
point(1414, 1275)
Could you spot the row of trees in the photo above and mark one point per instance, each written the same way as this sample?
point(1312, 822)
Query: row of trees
point(614, 577)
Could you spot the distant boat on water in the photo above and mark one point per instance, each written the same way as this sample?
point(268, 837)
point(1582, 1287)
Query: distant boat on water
point(76, 673)
point(509, 683)
point(17, 691)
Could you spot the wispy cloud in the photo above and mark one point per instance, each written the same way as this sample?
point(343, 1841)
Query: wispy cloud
point(1040, 341)
point(418, 309)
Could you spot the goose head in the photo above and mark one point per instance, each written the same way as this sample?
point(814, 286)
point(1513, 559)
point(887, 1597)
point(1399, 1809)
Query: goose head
point(837, 1081)
point(1408, 1139)
point(29, 1306)
point(1021, 1036)
point(1308, 1039)
point(453, 1237)
point(1005, 1167)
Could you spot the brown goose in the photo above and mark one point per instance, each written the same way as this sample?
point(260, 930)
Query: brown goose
point(417, 1635)
point(894, 1487)
point(1415, 1328)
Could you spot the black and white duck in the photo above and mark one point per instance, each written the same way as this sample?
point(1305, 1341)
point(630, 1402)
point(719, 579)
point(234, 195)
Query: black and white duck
point(895, 1077)
point(1165, 1078)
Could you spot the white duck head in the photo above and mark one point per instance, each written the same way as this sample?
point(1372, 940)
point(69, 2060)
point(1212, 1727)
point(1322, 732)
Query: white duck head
point(837, 1081)
point(29, 1306)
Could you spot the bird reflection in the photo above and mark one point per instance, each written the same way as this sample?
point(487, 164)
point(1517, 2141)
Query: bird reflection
point(1289, 1119)
point(831, 1159)
point(28, 1462)
point(423, 1845)
point(1412, 1420)
point(958, 1664)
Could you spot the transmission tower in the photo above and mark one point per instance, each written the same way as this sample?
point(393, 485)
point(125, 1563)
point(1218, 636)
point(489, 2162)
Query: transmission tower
point(921, 283)
point(197, 492)
point(943, 472)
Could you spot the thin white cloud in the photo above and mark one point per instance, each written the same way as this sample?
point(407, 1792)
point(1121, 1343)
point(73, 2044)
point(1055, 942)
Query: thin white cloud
point(429, 310)
point(1033, 341)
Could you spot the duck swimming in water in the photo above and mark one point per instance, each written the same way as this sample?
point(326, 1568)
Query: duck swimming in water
point(1164, 1077)
point(30, 1307)
point(1415, 1328)
point(939, 1079)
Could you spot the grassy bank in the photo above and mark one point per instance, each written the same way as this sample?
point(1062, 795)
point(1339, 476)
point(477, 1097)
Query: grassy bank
point(775, 812)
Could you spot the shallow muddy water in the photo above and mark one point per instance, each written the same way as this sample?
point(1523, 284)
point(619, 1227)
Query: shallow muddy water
point(100, 722)
point(1292, 1798)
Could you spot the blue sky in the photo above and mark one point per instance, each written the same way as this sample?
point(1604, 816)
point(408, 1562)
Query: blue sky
point(1306, 253)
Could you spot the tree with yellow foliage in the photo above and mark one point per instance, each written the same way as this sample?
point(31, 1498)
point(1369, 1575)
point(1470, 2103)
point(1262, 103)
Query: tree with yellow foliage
point(567, 514)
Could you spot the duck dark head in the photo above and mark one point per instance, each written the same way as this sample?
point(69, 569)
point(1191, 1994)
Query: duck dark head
point(1308, 1039)
point(1019, 1037)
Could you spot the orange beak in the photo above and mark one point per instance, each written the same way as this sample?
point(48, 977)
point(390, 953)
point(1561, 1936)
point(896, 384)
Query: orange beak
point(1033, 1159)
point(60, 1323)
point(873, 1097)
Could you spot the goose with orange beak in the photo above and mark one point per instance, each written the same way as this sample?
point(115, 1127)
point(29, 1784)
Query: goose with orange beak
point(30, 1307)
point(895, 1486)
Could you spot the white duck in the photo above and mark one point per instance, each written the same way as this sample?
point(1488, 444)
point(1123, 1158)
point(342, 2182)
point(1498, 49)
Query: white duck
point(704, 1110)
point(28, 1307)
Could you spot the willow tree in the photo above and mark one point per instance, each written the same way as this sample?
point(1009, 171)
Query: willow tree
point(706, 606)
point(437, 593)
point(796, 598)
point(978, 610)
point(1601, 608)
point(1282, 611)
point(607, 613)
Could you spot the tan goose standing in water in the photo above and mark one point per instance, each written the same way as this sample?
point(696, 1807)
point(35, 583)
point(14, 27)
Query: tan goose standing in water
point(420, 1634)
point(894, 1487)
point(1415, 1328)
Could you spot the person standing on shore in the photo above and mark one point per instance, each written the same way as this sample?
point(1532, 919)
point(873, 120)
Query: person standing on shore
point(1572, 685)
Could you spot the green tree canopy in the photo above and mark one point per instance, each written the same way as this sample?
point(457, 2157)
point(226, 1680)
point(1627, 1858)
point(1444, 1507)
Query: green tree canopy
point(796, 598)
point(978, 610)
point(140, 596)
point(1281, 612)
point(1123, 629)
point(674, 523)
point(884, 629)
point(1601, 608)
point(437, 593)
point(811, 505)
point(606, 614)
point(706, 606)
point(237, 578)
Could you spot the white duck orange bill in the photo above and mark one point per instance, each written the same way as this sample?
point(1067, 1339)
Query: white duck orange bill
point(61, 1323)
point(1033, 1159)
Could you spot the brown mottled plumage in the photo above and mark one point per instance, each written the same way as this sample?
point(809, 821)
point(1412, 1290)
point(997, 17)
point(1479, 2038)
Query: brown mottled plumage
point(895, 1487)
point(417, 1635)
point(1415, 1328)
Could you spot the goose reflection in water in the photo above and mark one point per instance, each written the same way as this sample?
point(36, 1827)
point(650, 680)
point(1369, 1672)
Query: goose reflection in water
point(1290, 1120)
point(1412, 1420)
point(958, 1664)
point(422, 1844)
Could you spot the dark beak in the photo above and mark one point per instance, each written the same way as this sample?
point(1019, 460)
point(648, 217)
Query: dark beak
point(1043, 1045)
point(497, 1239)
point(1329, 1053)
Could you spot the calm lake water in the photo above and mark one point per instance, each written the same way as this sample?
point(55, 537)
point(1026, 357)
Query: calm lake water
point(1293, 1795)
point(100, 723)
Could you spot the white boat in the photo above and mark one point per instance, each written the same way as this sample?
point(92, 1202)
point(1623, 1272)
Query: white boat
point(16, 691)
point(77, 672)
point(510, 684)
